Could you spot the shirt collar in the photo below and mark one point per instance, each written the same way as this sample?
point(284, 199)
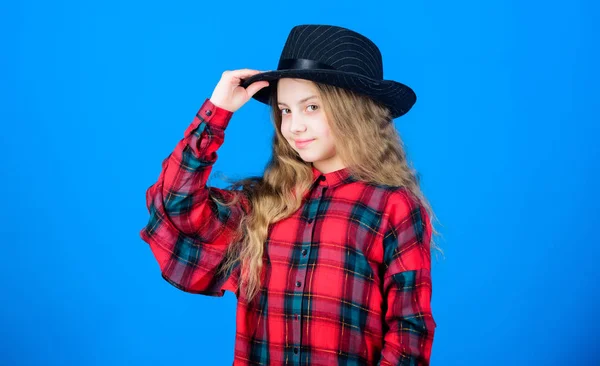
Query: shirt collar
point(332, 179)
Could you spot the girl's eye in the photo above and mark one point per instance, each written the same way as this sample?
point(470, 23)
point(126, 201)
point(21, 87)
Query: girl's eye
point(287, 110)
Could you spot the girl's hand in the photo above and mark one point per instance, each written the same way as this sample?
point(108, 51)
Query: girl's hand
point(228, 93)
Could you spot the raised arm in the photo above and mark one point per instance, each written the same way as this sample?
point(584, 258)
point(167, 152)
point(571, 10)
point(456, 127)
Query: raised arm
point(188, 230)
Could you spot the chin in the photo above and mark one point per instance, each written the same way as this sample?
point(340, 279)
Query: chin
point(308, 157)
point(307, 160)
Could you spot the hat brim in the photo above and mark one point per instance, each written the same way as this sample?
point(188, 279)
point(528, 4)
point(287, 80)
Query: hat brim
point(399, 98)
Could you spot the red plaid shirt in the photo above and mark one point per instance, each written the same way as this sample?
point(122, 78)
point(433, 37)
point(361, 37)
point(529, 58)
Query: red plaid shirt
point(346, 279)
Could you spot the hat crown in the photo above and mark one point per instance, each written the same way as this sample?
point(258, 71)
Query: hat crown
point(339, 48)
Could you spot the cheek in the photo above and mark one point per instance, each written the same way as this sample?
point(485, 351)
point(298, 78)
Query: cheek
point(284, 130)
point(329, 140)
point(323, 130)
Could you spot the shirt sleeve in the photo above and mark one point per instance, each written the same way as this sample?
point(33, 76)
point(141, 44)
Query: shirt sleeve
point(407, 284)
point(188, 231)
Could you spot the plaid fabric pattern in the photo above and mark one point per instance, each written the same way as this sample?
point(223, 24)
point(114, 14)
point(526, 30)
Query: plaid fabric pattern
point(346, 279)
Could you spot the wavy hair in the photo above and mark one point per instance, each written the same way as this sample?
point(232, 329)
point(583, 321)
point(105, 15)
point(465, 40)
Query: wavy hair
point(372, 150)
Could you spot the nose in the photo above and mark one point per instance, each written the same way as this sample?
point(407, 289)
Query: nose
point(297, 124)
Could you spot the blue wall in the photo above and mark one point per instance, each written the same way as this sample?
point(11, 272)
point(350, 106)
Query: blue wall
point(504, 134)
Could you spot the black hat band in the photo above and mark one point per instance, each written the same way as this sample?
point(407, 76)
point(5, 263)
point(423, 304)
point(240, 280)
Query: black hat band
point(301, 64)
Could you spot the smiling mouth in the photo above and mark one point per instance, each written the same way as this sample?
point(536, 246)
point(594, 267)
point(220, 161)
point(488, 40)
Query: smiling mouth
point(301, 144)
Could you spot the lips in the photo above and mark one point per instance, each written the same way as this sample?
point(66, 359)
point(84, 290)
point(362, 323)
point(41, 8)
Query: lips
point(302, 143)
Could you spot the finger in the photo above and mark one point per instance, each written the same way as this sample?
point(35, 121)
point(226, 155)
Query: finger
point(255, 87)
point(243, 73)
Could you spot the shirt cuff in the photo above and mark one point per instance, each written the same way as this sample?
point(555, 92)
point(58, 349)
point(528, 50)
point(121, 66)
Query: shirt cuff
point(213, 115)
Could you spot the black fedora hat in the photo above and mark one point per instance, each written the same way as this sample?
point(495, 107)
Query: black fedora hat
point(340, 57)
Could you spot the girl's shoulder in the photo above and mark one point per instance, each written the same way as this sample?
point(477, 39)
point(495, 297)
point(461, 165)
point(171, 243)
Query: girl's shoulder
point(396, 203)
point(393, 196)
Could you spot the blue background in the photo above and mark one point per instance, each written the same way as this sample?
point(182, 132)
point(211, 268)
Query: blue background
point(504, 134)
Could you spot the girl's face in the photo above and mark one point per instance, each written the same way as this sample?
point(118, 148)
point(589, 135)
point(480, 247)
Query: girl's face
point(303, 119)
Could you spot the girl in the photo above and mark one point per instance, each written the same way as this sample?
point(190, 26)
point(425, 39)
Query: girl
point(329, 252)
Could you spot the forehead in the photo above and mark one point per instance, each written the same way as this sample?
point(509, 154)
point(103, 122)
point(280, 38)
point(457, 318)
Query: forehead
point(291, 90)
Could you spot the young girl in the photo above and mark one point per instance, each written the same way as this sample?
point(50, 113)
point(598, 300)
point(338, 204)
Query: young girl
point(329, 252)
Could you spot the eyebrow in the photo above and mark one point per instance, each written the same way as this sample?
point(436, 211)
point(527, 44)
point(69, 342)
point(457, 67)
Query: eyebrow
point(301, 101)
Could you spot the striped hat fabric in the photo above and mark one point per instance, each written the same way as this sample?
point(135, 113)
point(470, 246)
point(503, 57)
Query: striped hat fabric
point(340, 57)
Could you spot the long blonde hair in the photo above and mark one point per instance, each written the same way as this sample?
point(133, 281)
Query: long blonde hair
point(371, 149)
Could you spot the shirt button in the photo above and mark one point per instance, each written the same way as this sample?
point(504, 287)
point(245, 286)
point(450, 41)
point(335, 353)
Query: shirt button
point(208, 112)
point(303, 251)
point(295, 350)
point(322, 178)
point(298, 283)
